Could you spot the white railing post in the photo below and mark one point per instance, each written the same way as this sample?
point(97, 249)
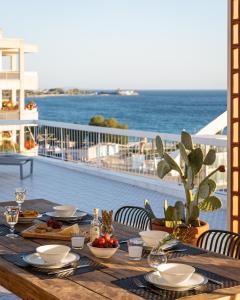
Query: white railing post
point(61, 137)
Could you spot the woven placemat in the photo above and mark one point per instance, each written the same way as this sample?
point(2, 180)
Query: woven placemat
point(4, 229)
point(189, 250)
point(153, 293)
point(17, 259)
point(85, 220)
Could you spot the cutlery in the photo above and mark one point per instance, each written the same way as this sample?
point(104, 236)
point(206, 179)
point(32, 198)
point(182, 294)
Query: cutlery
point(214, 281)
point(176, 250)
point(68, 269)
point(139, 284)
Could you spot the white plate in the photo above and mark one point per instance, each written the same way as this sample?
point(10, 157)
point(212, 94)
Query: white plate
point(77, 216)
point(26, 220)
point(35, 260)
point(156, 279)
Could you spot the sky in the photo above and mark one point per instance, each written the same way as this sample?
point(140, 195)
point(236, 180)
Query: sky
point(109, 44)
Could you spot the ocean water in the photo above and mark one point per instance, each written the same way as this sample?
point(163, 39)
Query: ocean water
point(162, 111)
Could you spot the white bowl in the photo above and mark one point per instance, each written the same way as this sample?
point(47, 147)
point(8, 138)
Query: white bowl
point(153, 237)
point(53, 254)
point(102, 252)
point(175, 273)
point(65, 210)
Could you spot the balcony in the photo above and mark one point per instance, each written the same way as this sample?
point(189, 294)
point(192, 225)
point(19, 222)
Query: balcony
point(126, 156)
point(11, 80)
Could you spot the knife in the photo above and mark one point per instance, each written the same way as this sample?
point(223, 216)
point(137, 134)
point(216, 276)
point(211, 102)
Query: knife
point(68, 270)
point(214, 281)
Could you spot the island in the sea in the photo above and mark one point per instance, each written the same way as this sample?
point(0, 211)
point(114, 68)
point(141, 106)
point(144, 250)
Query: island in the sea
point(79, 92)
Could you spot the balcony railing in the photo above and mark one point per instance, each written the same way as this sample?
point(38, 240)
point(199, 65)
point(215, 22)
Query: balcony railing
point(9, 114)
point(128, 151)
point(9, 75)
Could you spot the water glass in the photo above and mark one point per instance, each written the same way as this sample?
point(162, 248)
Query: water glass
point(11, 215)
point(135, 248)
point(77, 242)
point(20, 195)
point(156, 258)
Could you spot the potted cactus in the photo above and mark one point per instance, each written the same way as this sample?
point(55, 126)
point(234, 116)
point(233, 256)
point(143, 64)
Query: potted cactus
point(183, 217)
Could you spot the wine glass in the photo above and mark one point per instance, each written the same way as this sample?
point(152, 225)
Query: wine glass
point(20, 195)
point(156, 258)
point(11, 215)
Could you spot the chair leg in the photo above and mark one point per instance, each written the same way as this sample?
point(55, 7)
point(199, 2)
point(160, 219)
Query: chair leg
point(21, 171)
point(31, 167)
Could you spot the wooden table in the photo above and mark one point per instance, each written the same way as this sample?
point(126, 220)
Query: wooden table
point(97, 284)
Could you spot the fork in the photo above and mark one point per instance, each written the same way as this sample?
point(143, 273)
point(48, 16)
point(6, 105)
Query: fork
point(139, 284)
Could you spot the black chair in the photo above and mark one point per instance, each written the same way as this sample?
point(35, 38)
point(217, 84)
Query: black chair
point(133, 216)
point(220, 241)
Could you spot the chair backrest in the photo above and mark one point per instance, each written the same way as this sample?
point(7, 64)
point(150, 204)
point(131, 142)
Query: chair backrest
point(220, 241)
point(134, 216)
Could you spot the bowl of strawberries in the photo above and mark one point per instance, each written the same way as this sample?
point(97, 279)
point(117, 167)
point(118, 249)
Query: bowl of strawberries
point(104, 247)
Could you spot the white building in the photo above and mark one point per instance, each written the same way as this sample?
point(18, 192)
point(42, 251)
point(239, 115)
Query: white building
point(14, 80)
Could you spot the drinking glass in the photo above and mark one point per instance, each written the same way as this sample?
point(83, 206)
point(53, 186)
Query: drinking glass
point(135, 247)
point(11, 215)
point(156, 258)
point(77, 242)
point(20, 195)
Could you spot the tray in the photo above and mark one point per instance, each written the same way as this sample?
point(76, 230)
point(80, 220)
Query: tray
point(56, 234)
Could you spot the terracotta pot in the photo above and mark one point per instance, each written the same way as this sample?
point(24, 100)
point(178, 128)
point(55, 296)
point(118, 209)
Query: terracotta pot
point(194, 232)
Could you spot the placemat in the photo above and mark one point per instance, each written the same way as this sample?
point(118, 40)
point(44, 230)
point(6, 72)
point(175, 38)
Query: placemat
point(17, 259)
point(189, 250)
point(85, 220)
point(4, 229)
point(153, 293)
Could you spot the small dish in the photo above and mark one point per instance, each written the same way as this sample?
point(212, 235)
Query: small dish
point(65, 210)
point(35, 260)
point(53, 254)
point(153, 237)
point(175, 273)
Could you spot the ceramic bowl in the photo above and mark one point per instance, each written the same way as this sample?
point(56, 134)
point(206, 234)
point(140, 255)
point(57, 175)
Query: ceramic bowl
point(153, 237)
point(102, 252)
point(64, 210)
point(175, 273)
point(53, 254)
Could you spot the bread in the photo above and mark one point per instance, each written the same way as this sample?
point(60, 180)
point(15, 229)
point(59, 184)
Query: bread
point(71, 230)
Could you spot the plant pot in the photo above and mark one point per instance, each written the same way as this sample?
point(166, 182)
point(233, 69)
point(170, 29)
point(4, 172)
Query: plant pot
point(192, 232)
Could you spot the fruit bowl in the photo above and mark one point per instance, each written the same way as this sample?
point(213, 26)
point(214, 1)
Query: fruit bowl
point(102, 252)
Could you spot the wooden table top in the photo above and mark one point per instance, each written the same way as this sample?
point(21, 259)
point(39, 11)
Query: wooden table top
point(97, 284)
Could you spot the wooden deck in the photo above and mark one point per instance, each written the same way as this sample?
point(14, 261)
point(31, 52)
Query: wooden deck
point(97, 284)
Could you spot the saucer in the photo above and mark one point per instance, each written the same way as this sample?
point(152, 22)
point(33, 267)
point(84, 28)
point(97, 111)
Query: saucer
point(194, 281)
point(78, 215)
point(35, 260)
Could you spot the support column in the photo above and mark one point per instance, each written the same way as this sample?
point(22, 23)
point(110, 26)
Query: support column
point(14, 66)
point(21, 72)
point(0, 71)
point(14, 97)
point(1, 62)
point(234, 116)
point(21, 138)
point(1, 98)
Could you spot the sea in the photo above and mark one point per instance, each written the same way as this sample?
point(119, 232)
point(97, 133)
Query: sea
point(159, 110)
